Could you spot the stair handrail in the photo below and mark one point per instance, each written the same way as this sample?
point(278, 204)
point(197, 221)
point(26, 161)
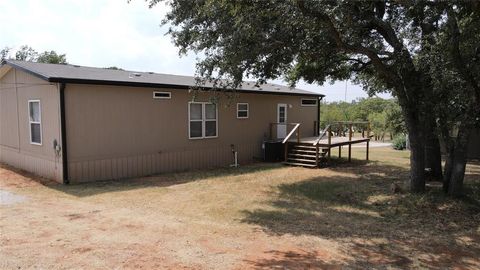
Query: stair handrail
point(291, 133)
point(321, 135)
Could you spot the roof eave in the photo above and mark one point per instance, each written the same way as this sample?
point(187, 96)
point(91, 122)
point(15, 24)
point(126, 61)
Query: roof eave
point(163, 85)
point(31, 72)
point(141, 84)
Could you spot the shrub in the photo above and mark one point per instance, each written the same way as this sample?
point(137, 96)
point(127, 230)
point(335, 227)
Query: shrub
point(399, 142)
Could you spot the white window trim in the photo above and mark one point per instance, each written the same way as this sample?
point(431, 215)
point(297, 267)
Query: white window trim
point(238, 110)
point(30, 122)
point(309, 105)
point(160, 92)
point(203, 120)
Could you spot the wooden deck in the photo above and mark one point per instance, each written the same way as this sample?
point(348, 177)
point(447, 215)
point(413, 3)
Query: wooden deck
point(309, 151)
point(335, 141)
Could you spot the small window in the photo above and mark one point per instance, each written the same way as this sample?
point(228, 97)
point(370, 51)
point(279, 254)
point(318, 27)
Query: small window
point(309, 102)
point(202, 118)
point(35, 121)
point(162, 95)
point(242, 110)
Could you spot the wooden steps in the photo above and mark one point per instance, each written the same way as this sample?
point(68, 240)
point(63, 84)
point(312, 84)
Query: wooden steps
point(304, 155)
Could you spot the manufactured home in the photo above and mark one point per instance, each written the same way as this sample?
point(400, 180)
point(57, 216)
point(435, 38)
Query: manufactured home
point(73, 124)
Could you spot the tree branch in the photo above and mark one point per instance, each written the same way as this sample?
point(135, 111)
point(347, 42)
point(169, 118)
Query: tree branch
point(387, 33)
point(342, 45)
point(457, 56)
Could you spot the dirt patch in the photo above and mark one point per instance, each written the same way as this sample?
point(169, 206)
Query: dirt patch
point(263, 216)
point(9, 198)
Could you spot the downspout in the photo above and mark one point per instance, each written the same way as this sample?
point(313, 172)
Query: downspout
point(318, 114)
point(64, 134)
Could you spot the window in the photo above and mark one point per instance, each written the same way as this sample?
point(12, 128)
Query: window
point(282, 113)
point(162, 95)
point(309, 102)
point(35, 121)
point(202, 118)
point(242, 110)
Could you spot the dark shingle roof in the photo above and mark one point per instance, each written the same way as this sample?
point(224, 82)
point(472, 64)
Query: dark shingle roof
point(103, 76)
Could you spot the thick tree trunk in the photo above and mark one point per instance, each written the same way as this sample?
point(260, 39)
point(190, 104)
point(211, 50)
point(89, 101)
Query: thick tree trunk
point(444, 129)
point(417, 154)
point(455, 186)
point(447, 175)
point(433, 155)
point(459, 162)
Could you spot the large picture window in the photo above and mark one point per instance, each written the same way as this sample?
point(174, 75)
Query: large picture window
point(202, 120)
point(35, 121)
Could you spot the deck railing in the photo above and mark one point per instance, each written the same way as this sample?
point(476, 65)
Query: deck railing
point(295, 130)
point(321, 135)
point(340, 129)
point(296, 126)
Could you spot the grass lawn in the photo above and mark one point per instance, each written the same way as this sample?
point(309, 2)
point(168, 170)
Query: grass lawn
point(259, 216)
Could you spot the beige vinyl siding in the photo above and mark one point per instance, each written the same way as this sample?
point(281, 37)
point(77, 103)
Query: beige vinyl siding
point(118, 132)
point(16, 89)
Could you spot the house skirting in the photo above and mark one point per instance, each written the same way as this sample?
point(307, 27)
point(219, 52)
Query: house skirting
point(119, 167)
point(38, 165)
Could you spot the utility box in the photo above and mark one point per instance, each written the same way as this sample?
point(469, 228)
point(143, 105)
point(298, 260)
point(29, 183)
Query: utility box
point(274, 151)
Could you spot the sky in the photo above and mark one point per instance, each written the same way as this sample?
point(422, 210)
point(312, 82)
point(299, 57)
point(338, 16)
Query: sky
point(104, 33)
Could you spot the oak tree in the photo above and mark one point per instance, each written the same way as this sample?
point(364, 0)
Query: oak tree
point(375, 43)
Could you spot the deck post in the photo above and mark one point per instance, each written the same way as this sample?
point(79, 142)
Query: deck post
point(350, 144)
point(368, 130)
point(339, 151)
point(298, 134)
point(329, 140)
point(316, 155)
point(368, 137)
point(368, 146)
point(286, 151)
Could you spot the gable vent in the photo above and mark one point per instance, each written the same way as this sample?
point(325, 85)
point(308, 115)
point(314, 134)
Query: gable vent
point(162, 95)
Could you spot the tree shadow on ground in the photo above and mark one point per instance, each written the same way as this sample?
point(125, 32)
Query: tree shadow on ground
point(161, 180)
point(292, 260)
point(377, 228)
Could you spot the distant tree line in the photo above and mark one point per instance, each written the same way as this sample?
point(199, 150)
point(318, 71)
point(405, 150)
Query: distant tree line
point(27, 53)
point(385, 115)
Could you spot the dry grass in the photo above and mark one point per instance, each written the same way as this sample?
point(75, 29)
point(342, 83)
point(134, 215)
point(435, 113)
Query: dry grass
point(259, 216)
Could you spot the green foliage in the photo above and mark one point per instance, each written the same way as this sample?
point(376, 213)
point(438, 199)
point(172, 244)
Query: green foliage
point(4, 54)
point(27, 53)
point(378, 122)
point(51, 57)
point(384, 45)
point(366, 107)
point(399, 142)
point(395, 123)
point(114, 68)
point(384, 114)
point(335, 111)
